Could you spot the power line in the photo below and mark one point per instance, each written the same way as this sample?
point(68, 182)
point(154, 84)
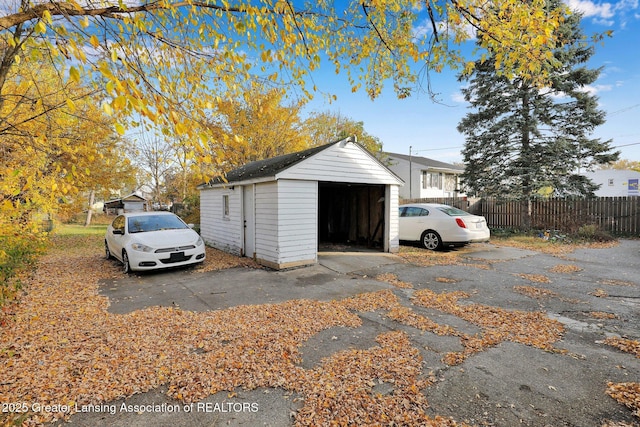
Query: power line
point(626, 145)
point(461, 146)
point(623, 110)
point(437, 149)
point(609, 115)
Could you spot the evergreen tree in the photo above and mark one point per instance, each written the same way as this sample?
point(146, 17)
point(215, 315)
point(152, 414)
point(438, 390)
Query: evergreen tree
point(522, 140)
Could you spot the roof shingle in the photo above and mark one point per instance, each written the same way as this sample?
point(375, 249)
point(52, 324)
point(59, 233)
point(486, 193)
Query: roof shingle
point(268, 167)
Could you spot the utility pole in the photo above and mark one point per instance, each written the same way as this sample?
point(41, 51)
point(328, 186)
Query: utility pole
point(410, 167)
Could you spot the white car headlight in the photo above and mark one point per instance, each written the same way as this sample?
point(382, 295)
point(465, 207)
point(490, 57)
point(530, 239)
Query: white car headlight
point(142, 248)
point(200, 242)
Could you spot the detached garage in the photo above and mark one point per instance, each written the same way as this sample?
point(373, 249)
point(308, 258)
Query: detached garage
point(280, 211)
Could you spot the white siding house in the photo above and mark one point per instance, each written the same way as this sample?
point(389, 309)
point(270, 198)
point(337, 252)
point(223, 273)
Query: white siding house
point(280, 210)
point(615, 183)
point(425, 177)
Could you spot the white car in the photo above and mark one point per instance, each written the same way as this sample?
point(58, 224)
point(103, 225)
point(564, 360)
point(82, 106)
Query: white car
point(436, 226)
point(152, 240)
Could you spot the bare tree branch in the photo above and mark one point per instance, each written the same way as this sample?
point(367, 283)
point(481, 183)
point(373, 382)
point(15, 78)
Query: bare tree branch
point(382, 40)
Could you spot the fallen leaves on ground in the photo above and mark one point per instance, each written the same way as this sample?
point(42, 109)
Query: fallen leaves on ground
point(614, 282)
point(625, 344)
point(549, 247)
point(533, 292)
point(627, 394)
point(565, 268)
point(602, 315)
point(393, 280)
point(618, 424)
point(342, 391)
point(408, 317)
point(446, 280)
point(219, 260)
point(599, 293)
point(62, 347)
point(540, 293)
point(529, 328)
point(538, 278)
point(427, 258)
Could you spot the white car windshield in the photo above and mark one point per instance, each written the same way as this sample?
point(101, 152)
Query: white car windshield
point(451, 211)
point(141, 224)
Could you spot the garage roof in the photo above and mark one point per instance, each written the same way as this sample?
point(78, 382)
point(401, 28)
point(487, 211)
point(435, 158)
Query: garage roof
point(268, 168)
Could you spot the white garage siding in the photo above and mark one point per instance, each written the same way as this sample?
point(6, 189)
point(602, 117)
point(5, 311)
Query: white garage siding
point(392, 224)
point(298, 222)
point(286, 223)
point(216, 230)
point(266, 222)
point(341, 162)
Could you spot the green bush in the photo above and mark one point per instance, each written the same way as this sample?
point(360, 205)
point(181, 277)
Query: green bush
point(19, 252)
point(592, 232)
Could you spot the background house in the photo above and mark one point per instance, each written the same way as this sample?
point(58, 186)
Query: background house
point(615, 182)
point(130, 203)
point(425, 177)
point(280, 211)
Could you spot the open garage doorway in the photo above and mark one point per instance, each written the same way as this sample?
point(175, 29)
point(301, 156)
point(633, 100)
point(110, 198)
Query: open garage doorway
point(350, 216)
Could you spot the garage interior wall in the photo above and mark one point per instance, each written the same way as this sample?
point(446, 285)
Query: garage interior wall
point(351, 214)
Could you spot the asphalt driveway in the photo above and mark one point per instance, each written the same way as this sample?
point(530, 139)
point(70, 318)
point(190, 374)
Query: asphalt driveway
point(594, 293)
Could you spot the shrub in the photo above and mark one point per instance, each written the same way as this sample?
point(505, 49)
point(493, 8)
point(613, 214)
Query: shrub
point(593, 232)
point(20, 245)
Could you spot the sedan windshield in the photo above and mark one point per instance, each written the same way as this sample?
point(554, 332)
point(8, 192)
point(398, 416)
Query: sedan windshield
point(140, 224)
point(451, 211)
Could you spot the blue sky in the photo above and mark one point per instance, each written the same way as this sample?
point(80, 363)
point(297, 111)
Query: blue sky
point(430, 128)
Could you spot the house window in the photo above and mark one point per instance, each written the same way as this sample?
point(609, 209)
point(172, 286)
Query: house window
point(450, 181)
point(225, 206)
point(610, 182)
point(431, 180)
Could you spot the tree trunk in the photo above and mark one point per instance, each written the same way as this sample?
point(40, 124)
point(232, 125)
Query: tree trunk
point(184, 181)
point(526, 209)
point(92, 197)
point(526, 160)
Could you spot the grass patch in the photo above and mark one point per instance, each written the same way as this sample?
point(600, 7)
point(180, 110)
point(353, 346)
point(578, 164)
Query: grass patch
point(77, 239)
point(552, 247)
point(533, 243)
point(80, 230)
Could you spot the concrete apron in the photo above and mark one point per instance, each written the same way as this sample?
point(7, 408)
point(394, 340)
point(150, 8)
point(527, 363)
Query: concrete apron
point(350, 262)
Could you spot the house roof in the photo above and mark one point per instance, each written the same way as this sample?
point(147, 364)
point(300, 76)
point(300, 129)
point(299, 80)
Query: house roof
point(425, 161)
point(267, 167)
point(133, 197)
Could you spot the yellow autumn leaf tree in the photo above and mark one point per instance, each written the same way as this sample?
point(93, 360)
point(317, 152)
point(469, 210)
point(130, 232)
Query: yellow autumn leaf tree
point(258, 125)
point(150, 50)
point(54, 143)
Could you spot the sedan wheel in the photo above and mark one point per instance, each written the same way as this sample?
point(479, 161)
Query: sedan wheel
point(107, 252)
point(431, 240)
point(125, 261)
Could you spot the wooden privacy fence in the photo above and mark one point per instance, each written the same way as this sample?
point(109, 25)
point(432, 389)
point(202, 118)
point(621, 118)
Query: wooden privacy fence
point(618, 215)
